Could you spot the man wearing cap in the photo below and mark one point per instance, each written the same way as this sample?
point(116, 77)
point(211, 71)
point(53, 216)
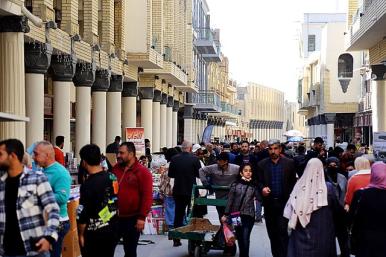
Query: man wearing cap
point(276, 179)
point(221, 174)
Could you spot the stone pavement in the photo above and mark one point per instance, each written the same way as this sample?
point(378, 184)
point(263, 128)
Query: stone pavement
point(260, 246)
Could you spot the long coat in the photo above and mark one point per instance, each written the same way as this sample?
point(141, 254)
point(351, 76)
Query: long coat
point(368, 212)
point(317, 239)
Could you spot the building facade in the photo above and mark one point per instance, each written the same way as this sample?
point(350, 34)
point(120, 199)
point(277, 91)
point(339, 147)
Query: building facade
point(366, 21)
point(87, 69)
point(329, 86)
point(263, 109)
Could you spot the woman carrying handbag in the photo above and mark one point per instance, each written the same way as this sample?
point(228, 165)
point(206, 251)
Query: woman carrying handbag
point(240, 209)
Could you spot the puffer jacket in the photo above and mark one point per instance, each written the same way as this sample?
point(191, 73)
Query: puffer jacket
point(237, 190)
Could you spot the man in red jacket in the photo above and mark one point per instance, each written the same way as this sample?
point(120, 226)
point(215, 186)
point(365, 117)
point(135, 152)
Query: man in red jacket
point(134, 196)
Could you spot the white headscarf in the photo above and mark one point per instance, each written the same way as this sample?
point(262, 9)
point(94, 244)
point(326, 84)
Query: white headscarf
point(308, 195)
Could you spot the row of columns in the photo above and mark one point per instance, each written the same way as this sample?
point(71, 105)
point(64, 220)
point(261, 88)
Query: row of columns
point(22, 70)
point(159, 118)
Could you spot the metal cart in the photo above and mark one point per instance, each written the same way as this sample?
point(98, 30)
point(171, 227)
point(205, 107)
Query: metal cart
point(200, 232)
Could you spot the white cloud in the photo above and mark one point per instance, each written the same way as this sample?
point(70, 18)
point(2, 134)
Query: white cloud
point(260, 38)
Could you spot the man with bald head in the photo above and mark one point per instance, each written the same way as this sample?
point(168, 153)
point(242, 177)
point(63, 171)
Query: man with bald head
point(60, 181)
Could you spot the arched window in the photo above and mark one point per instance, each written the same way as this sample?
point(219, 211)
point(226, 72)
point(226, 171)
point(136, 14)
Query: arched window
point(345, 66)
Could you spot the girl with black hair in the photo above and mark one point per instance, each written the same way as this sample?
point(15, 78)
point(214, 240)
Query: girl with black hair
point(241, 207)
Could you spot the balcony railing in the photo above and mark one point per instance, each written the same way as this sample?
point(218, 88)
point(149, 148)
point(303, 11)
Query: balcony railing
point(204, 34)
point(204, 41)
point(207, 101)
point(226, 107)
point(367, 24)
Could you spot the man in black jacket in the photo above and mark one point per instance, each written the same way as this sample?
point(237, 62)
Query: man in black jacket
point(184, 169)
point(276, 179)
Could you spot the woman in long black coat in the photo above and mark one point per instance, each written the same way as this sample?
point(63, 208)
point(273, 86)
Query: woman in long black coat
point(314, 213)
point(368, 215)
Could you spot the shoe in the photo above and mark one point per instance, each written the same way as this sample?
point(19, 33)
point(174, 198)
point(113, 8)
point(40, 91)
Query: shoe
point(176, 243)
point(259, 221)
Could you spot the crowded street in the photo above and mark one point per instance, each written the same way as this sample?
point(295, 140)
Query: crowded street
point(200, 128)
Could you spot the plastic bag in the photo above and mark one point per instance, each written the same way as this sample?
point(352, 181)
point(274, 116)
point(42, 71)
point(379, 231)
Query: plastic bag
point(228, 234)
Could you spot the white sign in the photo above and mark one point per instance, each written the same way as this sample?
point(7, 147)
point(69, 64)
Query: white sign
point(379, 141)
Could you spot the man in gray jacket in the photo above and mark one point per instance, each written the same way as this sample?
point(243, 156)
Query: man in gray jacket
point(221, 174)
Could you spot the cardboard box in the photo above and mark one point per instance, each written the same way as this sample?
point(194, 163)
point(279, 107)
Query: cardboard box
point(71, 244)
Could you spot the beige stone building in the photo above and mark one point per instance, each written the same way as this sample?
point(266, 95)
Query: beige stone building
point(263, 109)
point(366, 23)
point(86, 69)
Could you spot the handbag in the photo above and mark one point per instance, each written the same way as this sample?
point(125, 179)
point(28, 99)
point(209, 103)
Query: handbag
point(229, 235)
point(235, 217)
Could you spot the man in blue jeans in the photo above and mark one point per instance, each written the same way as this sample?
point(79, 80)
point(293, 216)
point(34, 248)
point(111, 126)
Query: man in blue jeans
point(60, 181)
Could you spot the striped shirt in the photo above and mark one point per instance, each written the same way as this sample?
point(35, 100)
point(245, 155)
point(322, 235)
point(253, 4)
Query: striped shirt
point(35, 199)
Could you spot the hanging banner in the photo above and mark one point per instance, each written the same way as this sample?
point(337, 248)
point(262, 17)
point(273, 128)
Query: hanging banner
point(137, 136)
point(207, 134)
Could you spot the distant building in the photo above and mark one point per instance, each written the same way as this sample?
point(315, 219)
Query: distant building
point(263, 109)
point(329, 86)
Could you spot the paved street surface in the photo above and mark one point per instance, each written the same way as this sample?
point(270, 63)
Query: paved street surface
point(260, 246)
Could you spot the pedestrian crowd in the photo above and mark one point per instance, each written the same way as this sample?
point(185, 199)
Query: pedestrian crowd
point(308, 200)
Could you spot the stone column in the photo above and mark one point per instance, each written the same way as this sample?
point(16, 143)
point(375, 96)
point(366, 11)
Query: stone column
point(169, 114)
point(378, 91)
point(176, 107)
point(63, 67)
point(259, 132)
point(318, 127)
point(164, 101)
point(188, 122)
point(330, 121)
point(99, 89)
point(156, 144)
point(147, 95)
point(37, 59)
point(83, 80)
point(114, 108)
point(12, 76)
point(129, 106)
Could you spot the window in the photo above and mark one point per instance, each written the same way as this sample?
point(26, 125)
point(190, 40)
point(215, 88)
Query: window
point(345, 66)
point(311, 43)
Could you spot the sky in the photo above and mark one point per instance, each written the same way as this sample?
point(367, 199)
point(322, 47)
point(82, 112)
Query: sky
point(260, 38)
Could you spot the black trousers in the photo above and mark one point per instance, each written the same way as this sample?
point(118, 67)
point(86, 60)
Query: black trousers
point(243, 234)
point(182, 203)
point(130, 235)
point(101, 242)
point(277, 228)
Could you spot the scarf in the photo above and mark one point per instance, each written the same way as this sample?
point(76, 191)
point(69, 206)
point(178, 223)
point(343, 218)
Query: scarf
point(308, 195)
point(378, 176)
